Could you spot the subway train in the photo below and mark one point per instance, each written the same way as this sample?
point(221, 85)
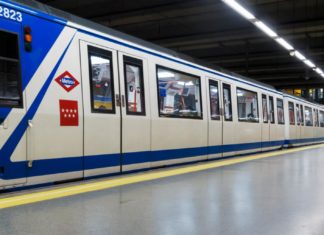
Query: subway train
point(80, 100)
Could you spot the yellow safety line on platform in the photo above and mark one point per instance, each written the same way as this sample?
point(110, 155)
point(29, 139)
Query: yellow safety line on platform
point(110, 183)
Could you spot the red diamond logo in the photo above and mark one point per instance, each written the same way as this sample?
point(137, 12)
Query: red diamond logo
point(67, 81)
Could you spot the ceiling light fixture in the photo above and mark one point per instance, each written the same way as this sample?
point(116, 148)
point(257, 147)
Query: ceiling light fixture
point(300, 56)
point(310, 64)
point(240, 9)
point(272, 34)
point(266, 29)
point(319, 71)
point(285, 44)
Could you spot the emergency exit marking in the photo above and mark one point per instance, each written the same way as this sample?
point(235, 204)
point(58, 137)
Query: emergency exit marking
point(69, 113)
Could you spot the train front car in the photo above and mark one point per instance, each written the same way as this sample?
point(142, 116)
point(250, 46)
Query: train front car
point(12, 98)
point(38, 79)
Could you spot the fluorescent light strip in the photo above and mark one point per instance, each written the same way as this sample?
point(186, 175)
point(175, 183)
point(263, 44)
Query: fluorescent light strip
point(309, 63)
point(319, 71)
point(285, 44)
point(240, 9)
point(300, 56)
point(267, 30)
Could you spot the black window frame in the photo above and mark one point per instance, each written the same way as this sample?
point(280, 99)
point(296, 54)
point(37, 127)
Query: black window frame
point(283, 111)
point(201, 117)
point(20, 104)
point(312, 119)
point(316, 118)
point(252, 120)
point(272, 112)
point(267, 115)
point(227, 86)
point(302, 115)
point(293, 106)
point(321, 113)
point(127, 60)
point(106, 54)
point(297, 107)
point(215, 84)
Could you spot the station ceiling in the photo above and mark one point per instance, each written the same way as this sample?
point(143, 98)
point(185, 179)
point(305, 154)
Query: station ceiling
point(211, 31)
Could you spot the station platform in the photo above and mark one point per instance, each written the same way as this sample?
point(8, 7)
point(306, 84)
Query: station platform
point(276, 193)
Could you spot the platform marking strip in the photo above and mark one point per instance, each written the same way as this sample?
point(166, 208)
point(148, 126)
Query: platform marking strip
point(111, 183)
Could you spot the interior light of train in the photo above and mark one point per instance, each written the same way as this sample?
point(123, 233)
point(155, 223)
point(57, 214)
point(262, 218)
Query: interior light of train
point(166, 75)
point(185, 83)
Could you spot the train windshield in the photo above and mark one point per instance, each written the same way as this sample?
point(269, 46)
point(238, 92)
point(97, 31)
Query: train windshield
point(9, 70)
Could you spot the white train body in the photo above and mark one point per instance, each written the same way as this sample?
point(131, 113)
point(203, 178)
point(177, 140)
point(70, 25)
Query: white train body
point(85, 102)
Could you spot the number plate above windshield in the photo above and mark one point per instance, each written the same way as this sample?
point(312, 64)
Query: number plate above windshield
point(10, 14)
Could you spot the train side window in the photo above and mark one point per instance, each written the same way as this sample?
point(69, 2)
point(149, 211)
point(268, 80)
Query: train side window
point(316, 118)
point(10, 76)
point(134, 86)
point(308, 116)
point(214, 100)
point(321, 118)
point(178, 93)
point(247, 105)
point(280, 112)
point(301, 115)
point(271, 110)
point(101, 80)
point(291, 113)
point(265, 109)
point(297, 114)
point(227, 101)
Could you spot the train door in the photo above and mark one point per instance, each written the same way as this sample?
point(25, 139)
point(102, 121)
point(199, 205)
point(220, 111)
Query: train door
point(102, 116)
point(229, 125)
point(215, 122)
point(273, 135)
point(135, 112)
point(13, 152)
point(298, 121)
point(265, 123)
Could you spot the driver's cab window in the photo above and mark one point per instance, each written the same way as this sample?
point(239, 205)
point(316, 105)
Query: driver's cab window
point(10, 78)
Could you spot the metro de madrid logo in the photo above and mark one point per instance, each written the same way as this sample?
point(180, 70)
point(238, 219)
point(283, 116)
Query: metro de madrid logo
point(67, 81)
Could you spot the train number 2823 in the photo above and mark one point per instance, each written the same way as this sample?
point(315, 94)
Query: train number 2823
point(10, 14)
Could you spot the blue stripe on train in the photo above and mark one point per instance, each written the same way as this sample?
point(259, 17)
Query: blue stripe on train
point(72, 164)
point(302, 141)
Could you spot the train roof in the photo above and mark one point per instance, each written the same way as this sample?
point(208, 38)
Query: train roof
point(104, 29)
point(301, 99)
point(107, 30)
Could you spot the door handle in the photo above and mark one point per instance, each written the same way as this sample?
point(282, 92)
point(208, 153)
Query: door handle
point(30, 124)
point(117, 100)
point(123, 101)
